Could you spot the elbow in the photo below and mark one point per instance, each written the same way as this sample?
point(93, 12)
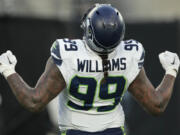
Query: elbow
point(33, 102)
point(35, 108)
point(157, 110)
point(158, 107)
point(34, 105)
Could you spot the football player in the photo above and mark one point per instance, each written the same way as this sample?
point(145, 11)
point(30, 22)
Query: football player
point(90, 76)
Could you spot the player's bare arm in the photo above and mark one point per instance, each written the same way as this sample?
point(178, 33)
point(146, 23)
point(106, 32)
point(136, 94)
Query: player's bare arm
point(154, 100)
point(50, 84)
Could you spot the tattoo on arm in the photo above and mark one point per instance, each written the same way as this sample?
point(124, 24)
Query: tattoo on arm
point(153, 100)
point(50, 84)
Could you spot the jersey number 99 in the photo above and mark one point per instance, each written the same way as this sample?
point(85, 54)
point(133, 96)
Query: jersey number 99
point(90, 86)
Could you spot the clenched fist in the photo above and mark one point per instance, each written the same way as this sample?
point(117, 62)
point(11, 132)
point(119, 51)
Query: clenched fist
point(7, 64)
point(170, 62)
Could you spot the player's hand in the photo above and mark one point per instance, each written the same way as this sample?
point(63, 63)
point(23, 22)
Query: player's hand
point(7, 63)
point(170, 62)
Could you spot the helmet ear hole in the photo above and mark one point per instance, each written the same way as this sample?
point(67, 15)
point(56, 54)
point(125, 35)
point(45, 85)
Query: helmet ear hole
point(97, 12)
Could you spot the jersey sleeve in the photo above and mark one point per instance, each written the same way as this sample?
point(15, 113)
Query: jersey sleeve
point(55, 53)
point(137, 54)
point(140, 56)
point(63, 52)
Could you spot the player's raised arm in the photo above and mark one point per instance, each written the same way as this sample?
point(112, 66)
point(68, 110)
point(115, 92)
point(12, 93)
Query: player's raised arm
point(155, 100)
point(34, 99)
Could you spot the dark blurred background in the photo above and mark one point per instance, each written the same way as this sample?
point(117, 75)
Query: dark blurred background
point(29, 27)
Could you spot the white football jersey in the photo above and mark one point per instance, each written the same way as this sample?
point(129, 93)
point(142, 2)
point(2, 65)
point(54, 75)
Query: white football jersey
point(88, 103)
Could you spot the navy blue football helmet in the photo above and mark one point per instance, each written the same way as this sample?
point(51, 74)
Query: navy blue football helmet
point(103, 27)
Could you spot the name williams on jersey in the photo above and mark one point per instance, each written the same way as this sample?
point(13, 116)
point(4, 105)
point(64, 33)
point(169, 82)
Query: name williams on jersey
point(96, 66)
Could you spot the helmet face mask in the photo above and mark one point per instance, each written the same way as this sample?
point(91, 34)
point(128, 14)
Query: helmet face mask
point(103, 28)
